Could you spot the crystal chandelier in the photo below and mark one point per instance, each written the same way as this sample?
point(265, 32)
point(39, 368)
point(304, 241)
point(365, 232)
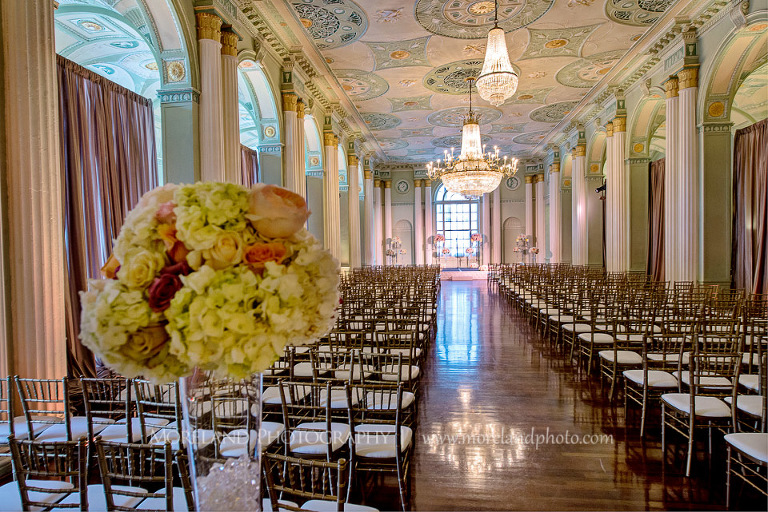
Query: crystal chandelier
point(497, 80)
point(474, 172)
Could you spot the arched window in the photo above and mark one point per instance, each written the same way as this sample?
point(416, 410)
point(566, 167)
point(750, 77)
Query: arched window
point(456, 219)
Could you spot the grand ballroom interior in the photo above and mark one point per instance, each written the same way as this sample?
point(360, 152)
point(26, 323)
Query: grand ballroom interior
point(550, 219)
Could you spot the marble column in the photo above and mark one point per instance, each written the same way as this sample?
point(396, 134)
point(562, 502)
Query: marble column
point(555, 214)
point(486, 228)
point(387, 211)
point(610, 236)
point(212, 166)
point(620, 213)
point(579, 207)
point(670, 179)
point(378, 223)
point(529, 208)
point(687, 267)
point(291, 154)
point(331, 192)
point(300, 179)
point(418, 222)
point(429, 226)
point(353, 202)
point(540, 227)
point(230, 108)
point(496, 241)
point(33, 213)
point(369, 243)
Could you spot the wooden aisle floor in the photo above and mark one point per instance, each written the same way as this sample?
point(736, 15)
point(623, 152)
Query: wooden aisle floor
point(492, 387)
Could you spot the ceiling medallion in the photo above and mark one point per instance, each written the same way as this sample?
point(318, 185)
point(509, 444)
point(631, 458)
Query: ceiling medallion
point(474, 172)
point(497, 81)
point(468, 19)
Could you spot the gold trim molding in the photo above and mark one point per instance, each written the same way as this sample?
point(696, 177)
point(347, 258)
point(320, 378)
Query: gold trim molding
point(300, 108)
point(581, 150)
point(671, 87)
point(619, 124)
point(208, 26)
point(609, 130)
point(229, 42)
point(688, 77)
point(289, 102)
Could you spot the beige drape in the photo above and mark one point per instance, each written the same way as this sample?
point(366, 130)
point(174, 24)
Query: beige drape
point(249, 165)
point(655, 265)
point(750, 212)
point(108, 161)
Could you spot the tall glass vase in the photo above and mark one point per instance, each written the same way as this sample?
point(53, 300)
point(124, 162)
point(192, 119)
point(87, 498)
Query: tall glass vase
point(222, 423)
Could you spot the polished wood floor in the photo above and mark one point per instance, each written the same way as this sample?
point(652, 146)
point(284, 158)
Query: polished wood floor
point(492, 386)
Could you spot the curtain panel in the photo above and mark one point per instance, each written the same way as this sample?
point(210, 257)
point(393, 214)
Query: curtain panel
point(249, 165)
point(655, 265)
point(750, 212)
point(108, 161)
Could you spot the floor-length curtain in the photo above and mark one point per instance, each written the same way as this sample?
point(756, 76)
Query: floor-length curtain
point(750, 217)
point(249, 165)
point(655, 266)
point(108, 160)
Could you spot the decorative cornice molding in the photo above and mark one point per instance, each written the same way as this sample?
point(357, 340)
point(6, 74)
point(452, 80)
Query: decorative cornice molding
point(178, 96)
point(632, 161)
point(717, 127)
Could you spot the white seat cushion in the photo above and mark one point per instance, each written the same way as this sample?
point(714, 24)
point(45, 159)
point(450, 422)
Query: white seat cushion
point(237, 443)
point(622, 356)
point(271, 395)
point(656, 378)
point(378, 441)
point(633, 337)
point(179, 501)
point(706, 406)
point(577, 328)
point(389, 372)
point(342, 373)
point(600, 338)
point(269, 433)
point(10, 497)
point(338, 399)
point(118, 432)
point(382, 402)
point(20, 430)
point(266, 505)
point(97, 500)
point(561, 318)
point(755, 359)
point(78, 425)
point(405, 351)
point(754, 444)
point(713, 382)
point(749, 381)
point(202, 437)
point(330, 506)
point(312, 438)
point(669, 358)
point(306, 370)
point(750, 404)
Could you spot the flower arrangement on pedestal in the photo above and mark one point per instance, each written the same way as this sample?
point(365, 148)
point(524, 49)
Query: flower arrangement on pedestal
point(534, 252)
point(394, 246)
point(439, 243)
point(476, 239)
point(522, 246)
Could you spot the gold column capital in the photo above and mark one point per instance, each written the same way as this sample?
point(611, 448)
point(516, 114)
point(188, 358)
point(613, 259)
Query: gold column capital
point(352, 160)
point(555, 167)
point(671, 87)
point(581, 149)
point(427, 183)
point(609, 129)
point(417, 183)
point(387, 184)
point(300, 106)
point(367, 175)
point(688, 77)
point(229, 42)
point(289, 102)
point(208, 26)
point(539, 178)
point(529, 178)
point(619, 124)
point(377, 183)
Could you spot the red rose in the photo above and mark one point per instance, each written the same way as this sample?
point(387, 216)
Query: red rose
point(162, 290)
point(179, 269)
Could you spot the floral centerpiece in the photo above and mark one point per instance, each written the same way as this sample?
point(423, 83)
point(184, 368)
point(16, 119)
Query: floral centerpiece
point(439, 238)
point(534, 250)
point(207, 284)
point(470, 250)
point(446, 250)
point(476, 237)
point(213, 276)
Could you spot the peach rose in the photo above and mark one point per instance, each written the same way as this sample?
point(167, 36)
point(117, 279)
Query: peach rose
point(110, 268)
point(257, 255)
point(165, 213)
point(176, 249)
point(145, 343)
point(276, 212)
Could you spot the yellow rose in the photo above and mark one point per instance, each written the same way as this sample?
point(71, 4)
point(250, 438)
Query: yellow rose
point(226, 252)
point(140, 268)
point(276, 212)
point(146, 343)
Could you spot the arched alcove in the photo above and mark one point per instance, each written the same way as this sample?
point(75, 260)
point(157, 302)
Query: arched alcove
point(404, 230)
point(313, 160)
point(511, 229)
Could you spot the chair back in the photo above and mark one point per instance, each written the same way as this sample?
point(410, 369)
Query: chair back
point(62, 460)
point(7, 391)
point(107, 401)
point(125, 466)
point(46, 401)
point(291, 478)
point(157, 402)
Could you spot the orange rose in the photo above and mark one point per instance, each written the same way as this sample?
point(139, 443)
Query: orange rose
point(177, 251)
point(109, 270)
point(257, 255)
point(276, 212)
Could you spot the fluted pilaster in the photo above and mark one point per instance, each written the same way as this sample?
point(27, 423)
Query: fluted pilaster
point(230, 107)
point(687, 267)
point(671, 172)
point(529, 208)
point(540, 227)
point(378, 220)
point(353, 202)
point(418, 220)
point(486, 199)
point(579, 207)
point(291, 127)
point(610, 235)
point(369, 243)
point(300, 181)
point(429, 226)
point(555, 214)
point(332, 210)
point(387, 213)
point(212, 164)
point(620, 196)
point(496, 241)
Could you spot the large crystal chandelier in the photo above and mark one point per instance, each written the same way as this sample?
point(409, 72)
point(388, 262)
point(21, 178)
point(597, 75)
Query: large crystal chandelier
point(497, 80)
point(474, 172)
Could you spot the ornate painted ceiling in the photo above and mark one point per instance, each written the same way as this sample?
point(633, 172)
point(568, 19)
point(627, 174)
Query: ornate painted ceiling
point(404, 63)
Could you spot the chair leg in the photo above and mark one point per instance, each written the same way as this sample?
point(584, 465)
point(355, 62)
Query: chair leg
point(728, 480)
point(663, 433)
point(690, 448)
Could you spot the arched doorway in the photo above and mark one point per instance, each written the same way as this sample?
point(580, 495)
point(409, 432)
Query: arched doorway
point(512, 228)
point(313, 162)
point(456, 218)
point(404, 230)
